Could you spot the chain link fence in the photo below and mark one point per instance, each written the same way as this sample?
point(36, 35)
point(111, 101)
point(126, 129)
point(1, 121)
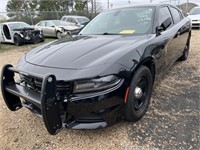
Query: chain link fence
point(33, 17)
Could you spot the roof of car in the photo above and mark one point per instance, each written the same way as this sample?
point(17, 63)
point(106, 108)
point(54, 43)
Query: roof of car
point(51, 20)
point(157, 5)
point(74, 16)
point(145, 5)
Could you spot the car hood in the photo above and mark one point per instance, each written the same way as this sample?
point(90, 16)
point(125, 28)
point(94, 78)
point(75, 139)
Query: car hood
point(193, 17)
point(23, 29)
point(83, 51)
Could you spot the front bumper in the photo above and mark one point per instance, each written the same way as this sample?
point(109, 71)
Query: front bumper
point(80, 111)
point(195, 24)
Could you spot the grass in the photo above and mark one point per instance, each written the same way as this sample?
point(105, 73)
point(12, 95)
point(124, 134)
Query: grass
point(8, 46)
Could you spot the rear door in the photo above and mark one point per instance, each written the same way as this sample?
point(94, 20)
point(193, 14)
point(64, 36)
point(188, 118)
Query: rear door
point(182, 26)
point(41, 26)
point(50, 29)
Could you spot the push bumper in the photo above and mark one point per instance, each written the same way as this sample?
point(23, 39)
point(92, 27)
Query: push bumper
point(46, 100)
point(81, 111)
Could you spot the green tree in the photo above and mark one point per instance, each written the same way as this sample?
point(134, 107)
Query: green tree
point(13, 8)
point(80, 5)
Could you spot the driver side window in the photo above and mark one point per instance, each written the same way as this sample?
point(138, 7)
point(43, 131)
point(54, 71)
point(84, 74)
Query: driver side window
point(164, 14)
point(49, 24)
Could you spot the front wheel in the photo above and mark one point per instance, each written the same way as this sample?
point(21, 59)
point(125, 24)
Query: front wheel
point(58, 34)
point(18, 40)
point(139, 94)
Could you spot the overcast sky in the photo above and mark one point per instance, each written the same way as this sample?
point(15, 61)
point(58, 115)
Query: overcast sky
point(114, 3)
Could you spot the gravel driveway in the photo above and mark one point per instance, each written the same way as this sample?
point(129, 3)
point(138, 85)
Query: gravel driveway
point(172, 122)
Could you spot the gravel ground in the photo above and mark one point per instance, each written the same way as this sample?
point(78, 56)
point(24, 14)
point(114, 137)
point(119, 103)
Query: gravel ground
point(172, 122)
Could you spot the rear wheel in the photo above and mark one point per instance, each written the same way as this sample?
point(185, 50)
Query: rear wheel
point(186, 51)
point(18, 40)
point(139, 94)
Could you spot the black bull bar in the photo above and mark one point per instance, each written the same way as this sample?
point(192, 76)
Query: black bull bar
point(45, 100)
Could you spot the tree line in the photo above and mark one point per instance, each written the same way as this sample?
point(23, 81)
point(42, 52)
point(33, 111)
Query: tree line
point(32, 11)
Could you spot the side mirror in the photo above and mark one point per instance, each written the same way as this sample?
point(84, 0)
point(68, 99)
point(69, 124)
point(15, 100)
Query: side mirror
point(52, 26)
point(187, 14)
point(164, 26)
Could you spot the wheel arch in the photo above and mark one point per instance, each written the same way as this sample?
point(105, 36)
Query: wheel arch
point(148, 62)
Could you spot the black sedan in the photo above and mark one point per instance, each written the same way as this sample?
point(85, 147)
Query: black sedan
point(104, 74)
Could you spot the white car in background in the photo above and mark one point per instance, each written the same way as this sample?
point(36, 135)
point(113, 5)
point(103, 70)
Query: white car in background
point(56, 28)
point(194, 15)
point(19, 33)
point(80, 21)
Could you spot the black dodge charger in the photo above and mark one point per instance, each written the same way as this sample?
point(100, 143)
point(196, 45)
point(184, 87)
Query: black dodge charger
point(102, 75)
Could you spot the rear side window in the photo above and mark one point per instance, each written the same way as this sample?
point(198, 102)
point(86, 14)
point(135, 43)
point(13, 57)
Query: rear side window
point(64, 18)
point(164, 13)
point(175, 14)
point(41, 24)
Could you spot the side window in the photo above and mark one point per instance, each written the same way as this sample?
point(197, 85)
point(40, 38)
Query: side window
point(42, 24)
point(69, 19)
point(73, 20)
point(49, 24)
point(64, 18)
point(175, 14)
point(164, 13)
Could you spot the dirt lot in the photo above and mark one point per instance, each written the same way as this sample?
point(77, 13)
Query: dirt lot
point(172, 122)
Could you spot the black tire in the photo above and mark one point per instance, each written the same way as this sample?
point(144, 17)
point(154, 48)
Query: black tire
point(58, 34)
point(18, 40)
point(42, 39)
point(186, 51)
point(136, 108)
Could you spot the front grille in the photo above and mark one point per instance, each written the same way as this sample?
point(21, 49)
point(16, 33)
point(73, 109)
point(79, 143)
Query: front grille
point(63, 88)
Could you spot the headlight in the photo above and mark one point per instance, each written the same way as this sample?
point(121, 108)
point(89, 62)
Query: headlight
point(96, 84)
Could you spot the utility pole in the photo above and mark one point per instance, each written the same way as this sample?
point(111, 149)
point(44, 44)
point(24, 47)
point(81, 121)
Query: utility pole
point(187, 6)
point(108, 4)
point(129, 2)
point(178, 2)
point(92, 9)
point(111, 5)
point(95, 7)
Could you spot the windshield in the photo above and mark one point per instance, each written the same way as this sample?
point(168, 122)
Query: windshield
point(60, 23)
point(19, 25)
point(195, 11)
point(82, 20)
point(121, 21)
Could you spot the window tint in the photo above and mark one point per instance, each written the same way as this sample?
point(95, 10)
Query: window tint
point(49, 24)
point(164, 13)
point(41, 24)
point(175, 15)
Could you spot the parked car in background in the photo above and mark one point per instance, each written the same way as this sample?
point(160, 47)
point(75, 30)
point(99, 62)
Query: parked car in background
point(104, 74)
point(194, 15)
point(19, 33)
point(80, 21)
point(56, 28)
